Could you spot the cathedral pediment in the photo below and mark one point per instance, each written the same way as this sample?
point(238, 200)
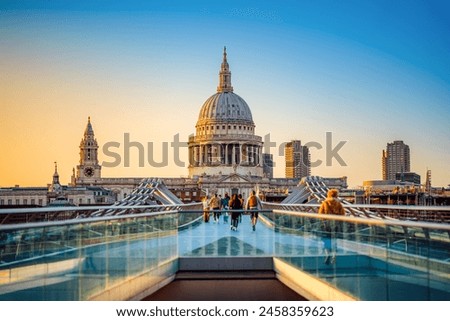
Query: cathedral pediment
point(235, 178)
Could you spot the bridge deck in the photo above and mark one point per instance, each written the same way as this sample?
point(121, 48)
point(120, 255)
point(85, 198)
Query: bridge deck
point(225, 286)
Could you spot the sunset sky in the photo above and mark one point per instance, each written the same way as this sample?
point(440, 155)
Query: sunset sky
point(369, 72)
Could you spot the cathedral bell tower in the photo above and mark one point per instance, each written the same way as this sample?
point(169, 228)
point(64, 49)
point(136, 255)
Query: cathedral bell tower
point(89, 171)
point(55, 186)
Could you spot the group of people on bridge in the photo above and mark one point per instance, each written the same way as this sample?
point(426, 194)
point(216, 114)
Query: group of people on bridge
point(233, 206)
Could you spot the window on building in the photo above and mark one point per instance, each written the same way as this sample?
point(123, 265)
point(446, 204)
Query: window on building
point(187, 193)
point(2, 202)
point(40, 201)
point(194, 193)
point(80, 201)
point(9, 202)
point(33, 201)
point(17, 202)
point(89, 201)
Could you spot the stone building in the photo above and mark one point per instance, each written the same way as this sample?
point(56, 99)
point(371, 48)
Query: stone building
point(55, 194)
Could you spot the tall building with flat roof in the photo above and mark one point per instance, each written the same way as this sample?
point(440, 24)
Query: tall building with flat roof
point(297, 158)
point(395, 159)
point(267, 165)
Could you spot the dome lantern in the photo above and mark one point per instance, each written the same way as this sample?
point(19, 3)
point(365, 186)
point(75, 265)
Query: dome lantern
point(224, 75)
point(225, 106)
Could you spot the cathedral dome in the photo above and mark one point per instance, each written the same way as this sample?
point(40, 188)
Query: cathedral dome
point(225, 142)
point(225, 107)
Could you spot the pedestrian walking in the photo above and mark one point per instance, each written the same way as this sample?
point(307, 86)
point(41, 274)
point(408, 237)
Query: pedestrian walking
point(214, 205)
point(236, 207)
point(331, 205)
point(253, 205)
point(205, 210)
point(224, 207)
point(241, 199)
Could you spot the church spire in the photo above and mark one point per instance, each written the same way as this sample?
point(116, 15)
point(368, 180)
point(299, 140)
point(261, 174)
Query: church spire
point(56, 175)
point(89, 169)
point(89, 131)
point(224, 75)
point(55, 186)
point(88, 146)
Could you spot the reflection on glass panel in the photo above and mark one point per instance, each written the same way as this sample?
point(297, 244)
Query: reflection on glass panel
point(76, 261)
point(371, 260)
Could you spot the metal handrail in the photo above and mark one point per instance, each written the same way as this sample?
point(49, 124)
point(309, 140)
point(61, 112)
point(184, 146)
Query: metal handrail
point(380, 206)
point(439, 214)
point(352, 219)
point(87, 208)
point(367, 221)
point(8, 227)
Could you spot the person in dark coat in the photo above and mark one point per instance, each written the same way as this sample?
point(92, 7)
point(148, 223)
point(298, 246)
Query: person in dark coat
point(236, 207)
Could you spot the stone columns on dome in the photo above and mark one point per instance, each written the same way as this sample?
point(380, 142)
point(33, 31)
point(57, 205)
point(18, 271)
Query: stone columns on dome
point(225, 154)
point(221, 157)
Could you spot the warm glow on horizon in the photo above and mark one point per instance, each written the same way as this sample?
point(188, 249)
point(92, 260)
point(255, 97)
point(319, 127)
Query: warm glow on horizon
point(367, 75)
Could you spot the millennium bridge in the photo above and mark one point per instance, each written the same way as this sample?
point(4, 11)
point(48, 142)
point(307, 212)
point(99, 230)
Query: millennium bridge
point(138, 248)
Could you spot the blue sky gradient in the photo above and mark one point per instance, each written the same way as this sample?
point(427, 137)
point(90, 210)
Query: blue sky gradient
point(370, 72)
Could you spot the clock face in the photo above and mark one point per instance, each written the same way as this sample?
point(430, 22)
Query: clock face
point(89, 171)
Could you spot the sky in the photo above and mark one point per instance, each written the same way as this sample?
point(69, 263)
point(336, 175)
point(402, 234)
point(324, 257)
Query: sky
point(367, 72)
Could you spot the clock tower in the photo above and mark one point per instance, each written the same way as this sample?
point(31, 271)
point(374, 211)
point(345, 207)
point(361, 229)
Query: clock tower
point(89, 171)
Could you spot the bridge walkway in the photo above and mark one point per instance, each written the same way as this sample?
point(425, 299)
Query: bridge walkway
point(225, 286)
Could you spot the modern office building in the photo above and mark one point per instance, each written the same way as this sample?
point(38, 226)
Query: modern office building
point(408, 177)
point(267, 165)
point(297, 158)
point(395, 159)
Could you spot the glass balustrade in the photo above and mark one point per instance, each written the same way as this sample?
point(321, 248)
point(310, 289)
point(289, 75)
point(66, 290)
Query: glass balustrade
point(76, 260)
point(366, 258)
